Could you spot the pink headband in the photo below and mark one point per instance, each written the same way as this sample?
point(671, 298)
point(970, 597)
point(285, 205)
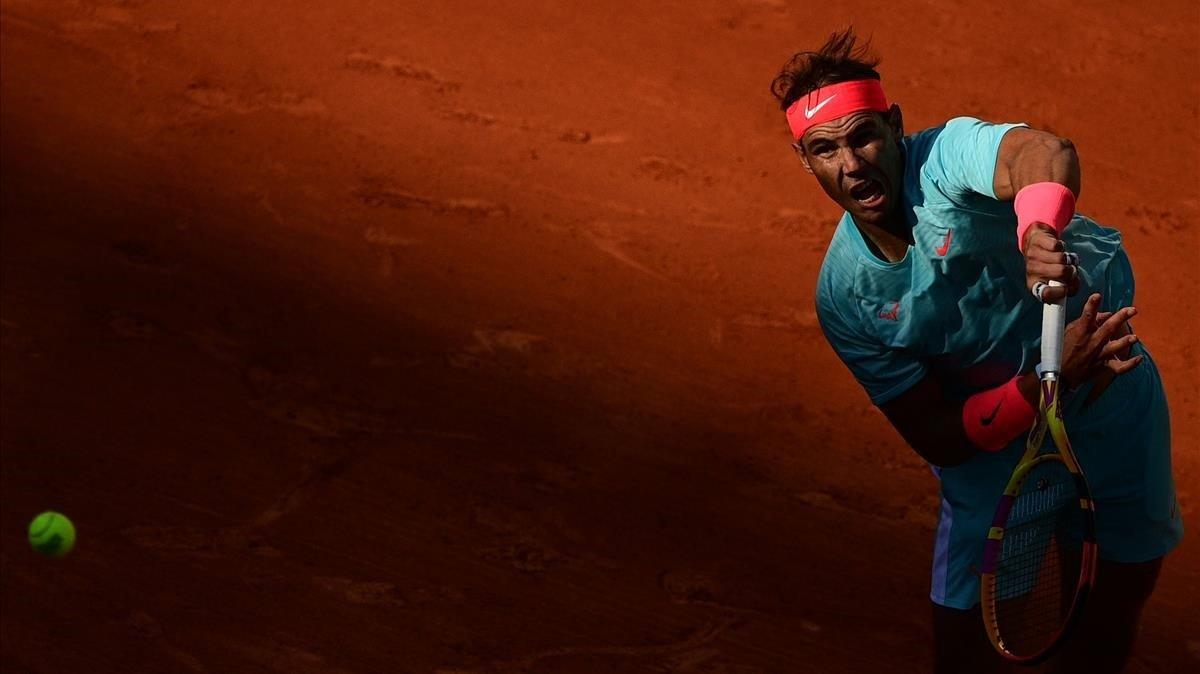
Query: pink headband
point(828, 103)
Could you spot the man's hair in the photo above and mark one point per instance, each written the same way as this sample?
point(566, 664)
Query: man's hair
point(838, 60)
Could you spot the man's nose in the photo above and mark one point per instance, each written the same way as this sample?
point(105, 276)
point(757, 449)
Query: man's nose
point(851, 161)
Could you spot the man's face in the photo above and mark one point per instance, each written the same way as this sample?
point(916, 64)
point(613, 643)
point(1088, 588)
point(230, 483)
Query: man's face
point(857, 161)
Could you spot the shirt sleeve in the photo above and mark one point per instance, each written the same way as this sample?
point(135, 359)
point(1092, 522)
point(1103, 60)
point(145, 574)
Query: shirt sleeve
point(963, 157)
point(884, 372)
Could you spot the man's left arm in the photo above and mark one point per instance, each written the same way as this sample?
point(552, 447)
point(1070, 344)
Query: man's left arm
point(1027, 156)
point(1041, 161)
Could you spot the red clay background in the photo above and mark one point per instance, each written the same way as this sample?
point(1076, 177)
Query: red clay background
point(441, 337)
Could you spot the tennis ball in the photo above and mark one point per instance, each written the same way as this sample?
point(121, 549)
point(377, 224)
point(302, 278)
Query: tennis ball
point(52, 534)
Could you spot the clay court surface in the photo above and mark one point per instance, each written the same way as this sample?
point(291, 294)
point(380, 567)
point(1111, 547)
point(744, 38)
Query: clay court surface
point(435, 337)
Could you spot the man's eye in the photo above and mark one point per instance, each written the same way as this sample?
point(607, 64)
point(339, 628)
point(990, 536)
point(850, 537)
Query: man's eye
point(864, 139)
point(823, 150)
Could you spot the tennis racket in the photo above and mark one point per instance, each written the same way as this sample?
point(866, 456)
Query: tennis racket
point(1039, 560)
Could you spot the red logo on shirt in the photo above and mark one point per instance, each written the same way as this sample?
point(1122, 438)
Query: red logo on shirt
point(945, 247)
point(890, 311)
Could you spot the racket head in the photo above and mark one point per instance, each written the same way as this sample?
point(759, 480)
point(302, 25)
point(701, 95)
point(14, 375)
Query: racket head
point(1040, 558)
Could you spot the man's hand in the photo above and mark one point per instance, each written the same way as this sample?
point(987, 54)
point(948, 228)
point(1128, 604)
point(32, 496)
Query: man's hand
point(1046, 260)
point(1096, 343)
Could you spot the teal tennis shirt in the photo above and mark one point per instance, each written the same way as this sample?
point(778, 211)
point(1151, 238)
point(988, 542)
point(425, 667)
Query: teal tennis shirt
point(956, 308)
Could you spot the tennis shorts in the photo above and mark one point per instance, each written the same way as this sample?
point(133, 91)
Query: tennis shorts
point(1123, 442)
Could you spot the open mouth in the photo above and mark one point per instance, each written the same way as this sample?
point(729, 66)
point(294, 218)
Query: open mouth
point(869, 193)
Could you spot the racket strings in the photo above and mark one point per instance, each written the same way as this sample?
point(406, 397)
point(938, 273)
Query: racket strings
point(1040, 561)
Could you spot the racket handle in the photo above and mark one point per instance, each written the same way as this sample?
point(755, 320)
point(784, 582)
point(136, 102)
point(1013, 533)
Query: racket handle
point(1054, 322)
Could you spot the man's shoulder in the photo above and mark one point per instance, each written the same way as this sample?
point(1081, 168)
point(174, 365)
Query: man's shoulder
point(953, 126)
point(954, 162)
point(924, 138)
point(919, 145)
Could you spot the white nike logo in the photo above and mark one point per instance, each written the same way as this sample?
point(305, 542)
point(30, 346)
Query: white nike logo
point(808, 114)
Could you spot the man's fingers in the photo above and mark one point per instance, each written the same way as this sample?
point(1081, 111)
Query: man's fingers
point(1048, 293)
point(1048, 256)
point(1090, 307)
point(1042, 237)
point(1036, 257)
point(1113, 323)
point(1054, 293)
point(1123, 366)
point(1051, 271)
point(1063, 273)
point(1116, 346)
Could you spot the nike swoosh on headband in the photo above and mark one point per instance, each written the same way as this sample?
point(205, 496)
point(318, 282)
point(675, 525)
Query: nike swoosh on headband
point(852, 96)
point(808, 114)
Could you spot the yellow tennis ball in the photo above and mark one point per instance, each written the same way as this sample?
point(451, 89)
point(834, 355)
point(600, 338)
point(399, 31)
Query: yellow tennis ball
point(52, 534)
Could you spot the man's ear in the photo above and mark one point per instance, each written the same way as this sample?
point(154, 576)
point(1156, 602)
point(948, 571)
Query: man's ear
point(799, 148)
point(895, 120)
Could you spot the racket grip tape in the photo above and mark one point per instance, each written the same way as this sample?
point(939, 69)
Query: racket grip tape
point(1054, 323)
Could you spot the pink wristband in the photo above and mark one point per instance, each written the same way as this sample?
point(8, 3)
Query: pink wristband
point(995, 417)
point(1050, 203)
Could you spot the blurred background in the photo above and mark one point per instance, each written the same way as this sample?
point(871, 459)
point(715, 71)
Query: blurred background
point(440, 337)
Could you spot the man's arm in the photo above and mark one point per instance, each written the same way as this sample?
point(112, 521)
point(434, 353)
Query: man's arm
point(1028, 156)
point(935, 426)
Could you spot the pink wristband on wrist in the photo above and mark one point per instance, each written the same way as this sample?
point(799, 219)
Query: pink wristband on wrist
point(1047, 202)
point(995, 417)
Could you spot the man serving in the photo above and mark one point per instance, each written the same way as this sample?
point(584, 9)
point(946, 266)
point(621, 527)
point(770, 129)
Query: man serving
point(931, 294)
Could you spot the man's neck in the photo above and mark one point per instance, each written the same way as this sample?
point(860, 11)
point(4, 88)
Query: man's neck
point(890, 240)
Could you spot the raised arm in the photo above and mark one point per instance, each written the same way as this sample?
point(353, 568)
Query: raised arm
point(1028, 156)
point(1046, 167)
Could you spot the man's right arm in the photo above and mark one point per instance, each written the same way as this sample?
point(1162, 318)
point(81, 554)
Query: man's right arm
point(933, 425)
point(947, 432)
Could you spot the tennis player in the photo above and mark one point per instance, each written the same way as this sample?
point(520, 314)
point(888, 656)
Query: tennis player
point(931, 294)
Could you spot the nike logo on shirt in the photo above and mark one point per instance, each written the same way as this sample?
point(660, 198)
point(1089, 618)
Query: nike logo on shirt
point(891, 312)
point(945, 247)
point(987, 421)
point(808, 114)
